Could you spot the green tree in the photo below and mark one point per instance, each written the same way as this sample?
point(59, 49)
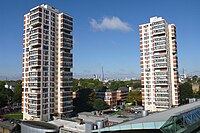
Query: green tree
point(100, 104)
point(117, 84)
point(2, 84)
point(6, 94)
point(195, 79)
point(74, 85)
point(197, 94)
point(17, 96)
point(84, 101)
point(185, 92)
point(137, 84)
point(3, 100)
point(135, 96)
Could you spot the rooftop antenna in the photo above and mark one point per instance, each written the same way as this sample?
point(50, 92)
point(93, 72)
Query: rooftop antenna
point(102, 74)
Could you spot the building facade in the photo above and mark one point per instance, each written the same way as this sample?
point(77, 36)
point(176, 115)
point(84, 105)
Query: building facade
point(110, 98)
point(159, 64)
point(47, 63)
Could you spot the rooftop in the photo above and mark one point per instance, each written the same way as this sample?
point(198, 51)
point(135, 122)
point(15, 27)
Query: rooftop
point(7, 124)
point(165, 115)
point(154, 120)
point(69, 125)
point(39, 125)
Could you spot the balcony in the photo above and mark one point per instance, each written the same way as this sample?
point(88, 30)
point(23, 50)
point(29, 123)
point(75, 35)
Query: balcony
point(159, 31)
point(67, 27)
point(66, 65)
point(163, 61)
point(66, 84)
point(66, 55)
point(33, 102)
point(35, 37)
point(160, 65)
point(67, 45)
point(162, 95)
point(36, 15)
point(34, 58)
point(34, 63)
point(36, 10)
point(36, 21)
point(160, 44)
point(162, 104)
point(160, 48)
point(34, 85)
point(161, 90)
point(161, 82)
point(33, 96)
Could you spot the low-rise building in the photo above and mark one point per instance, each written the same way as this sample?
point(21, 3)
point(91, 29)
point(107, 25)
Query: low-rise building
point(9, 126)
point(10, 85)
point(111, 98)
point(195, 87)
point(121, 94)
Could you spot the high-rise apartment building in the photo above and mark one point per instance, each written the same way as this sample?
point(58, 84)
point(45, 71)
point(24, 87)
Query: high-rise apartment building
point(159, 64)
point(47, 64)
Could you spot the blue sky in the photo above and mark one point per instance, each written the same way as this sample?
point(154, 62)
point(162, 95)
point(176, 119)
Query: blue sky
point(105, 33)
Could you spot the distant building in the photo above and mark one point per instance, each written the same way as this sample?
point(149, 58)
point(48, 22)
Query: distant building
point(47, 64)
point(117, 97)
point(10, 85)
point(111, 98)
point(159, 64)
point(195, 87)
point(182, 77)
point(121, 95)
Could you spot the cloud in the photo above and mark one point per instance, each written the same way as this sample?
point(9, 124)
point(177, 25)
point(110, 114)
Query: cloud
point(113, 23)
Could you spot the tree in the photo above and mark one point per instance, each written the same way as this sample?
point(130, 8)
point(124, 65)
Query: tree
point(195, 79)
point(117, 84)
point(84, 101)
point(2, 84)
point(185, 92)
point(86, 83)
point(3, 100)
point(135, 96)
point(17, 96)
point(197, 94)
point(137, 85)
point(6, 94)
point(100, 104)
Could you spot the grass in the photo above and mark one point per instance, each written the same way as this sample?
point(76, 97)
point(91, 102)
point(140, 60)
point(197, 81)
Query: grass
point(14, 116)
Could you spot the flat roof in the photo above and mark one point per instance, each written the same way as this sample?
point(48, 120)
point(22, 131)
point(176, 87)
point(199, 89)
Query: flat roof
point(154, 120)
point(39, 125)
point(7, 124)
point(165, 115)
point(69, 125)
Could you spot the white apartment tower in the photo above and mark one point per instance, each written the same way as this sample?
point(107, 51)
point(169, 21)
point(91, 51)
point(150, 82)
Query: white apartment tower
point(47, 64)
point(159, 64)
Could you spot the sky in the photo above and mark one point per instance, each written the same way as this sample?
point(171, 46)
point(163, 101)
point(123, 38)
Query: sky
point(106, 33)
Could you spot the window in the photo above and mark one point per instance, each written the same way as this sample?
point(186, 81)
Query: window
point(46, 27)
